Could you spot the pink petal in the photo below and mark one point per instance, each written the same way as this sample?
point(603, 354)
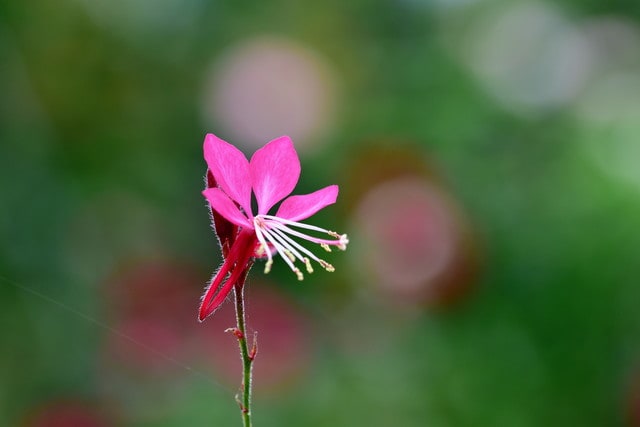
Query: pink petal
point(238, 258)
point(230, 169)
point(222, 204)
point(212, 300)
point(296, 208)
point(225, 230)
point(213, 296)
point(275, 169)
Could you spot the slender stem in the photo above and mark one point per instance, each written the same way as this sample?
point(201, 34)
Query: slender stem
point(247, 358)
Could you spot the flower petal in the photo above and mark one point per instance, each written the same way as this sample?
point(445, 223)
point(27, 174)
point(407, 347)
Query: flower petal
point(275, 169)
point(224, 229)
point(239, 263)
point(296, 208)
point(230, 169)
point(213, 296)
point(212, 301)
point(222, 204)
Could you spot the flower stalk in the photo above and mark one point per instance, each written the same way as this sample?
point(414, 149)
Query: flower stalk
point(247, 356)
point(244, 400)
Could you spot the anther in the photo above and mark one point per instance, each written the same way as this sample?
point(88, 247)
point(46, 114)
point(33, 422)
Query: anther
point(307, 263)
point(267, 266)
point(298, 273)
point(325, 247)
point(289, 255)
point(261, 250)
point(327, 266)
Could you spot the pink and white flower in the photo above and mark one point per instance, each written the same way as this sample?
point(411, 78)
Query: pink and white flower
point(270, 175)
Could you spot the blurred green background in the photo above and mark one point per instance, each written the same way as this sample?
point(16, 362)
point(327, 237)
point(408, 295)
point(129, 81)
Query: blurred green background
point(487, 155)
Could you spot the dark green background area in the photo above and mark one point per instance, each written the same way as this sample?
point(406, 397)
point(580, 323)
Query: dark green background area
point(101, 166)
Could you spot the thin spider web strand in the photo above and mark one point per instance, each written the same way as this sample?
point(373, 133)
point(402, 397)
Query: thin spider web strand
point(115, 332)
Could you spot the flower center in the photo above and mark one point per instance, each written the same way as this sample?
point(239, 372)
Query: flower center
point(276, 233)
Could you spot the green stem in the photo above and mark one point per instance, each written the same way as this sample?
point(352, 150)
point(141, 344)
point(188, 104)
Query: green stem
point(247, 358)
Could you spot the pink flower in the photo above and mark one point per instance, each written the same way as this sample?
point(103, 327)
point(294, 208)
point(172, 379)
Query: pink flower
point(271, 175)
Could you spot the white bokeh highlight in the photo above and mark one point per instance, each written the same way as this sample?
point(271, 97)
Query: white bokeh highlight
point(528, 56)
point(608, 110)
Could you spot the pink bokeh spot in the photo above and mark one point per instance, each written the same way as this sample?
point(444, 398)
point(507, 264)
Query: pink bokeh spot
point(66, 414)
point(413, 241)
point(149, 307)
point(266, 86)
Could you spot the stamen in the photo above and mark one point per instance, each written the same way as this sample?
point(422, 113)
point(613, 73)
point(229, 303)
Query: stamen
point(290, 255)
point(277, 232)
point(307, 263)
point(262, 250)
point(285, 251)
point(284, 241)
point(327, 266)
point(296, 224)
point(263, 243)
point(296, 244)
point(344, 241)
point(275, 224)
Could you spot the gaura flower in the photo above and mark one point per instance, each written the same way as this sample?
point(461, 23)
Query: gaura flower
point(244, 235)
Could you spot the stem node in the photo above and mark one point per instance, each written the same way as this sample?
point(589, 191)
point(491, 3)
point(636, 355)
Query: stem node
point(235, 331)
point(254, 347)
